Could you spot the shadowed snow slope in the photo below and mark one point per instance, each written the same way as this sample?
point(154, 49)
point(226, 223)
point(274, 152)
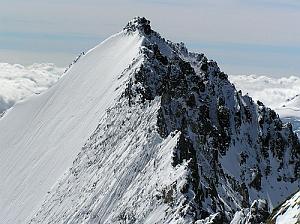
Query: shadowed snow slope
point(39, 138)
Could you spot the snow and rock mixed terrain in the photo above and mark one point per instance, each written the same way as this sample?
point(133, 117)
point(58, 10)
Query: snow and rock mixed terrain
point(18, 82)
point(140, 130)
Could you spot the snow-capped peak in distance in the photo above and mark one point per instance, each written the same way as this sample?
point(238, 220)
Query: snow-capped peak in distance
point(140, 130)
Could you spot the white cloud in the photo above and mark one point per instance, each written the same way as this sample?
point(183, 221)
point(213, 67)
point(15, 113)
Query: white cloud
point(278, 93)
point(18, 82)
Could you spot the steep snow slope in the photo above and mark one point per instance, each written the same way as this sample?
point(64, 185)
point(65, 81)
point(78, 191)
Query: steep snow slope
point(288, 212)
point(179, 145)
point(18, 82)
point(133, 167)
point(40, 138)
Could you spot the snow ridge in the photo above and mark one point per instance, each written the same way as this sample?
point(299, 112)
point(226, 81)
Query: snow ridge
point(40, 137)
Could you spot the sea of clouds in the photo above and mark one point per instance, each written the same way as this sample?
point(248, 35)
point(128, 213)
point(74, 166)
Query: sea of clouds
point(273, 92)
point(18, 82)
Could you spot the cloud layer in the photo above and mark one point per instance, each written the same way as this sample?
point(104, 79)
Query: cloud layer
point(281, 94)
point(18, 82)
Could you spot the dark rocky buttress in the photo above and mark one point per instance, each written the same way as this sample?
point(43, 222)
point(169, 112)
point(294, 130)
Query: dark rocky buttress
point(215, 121)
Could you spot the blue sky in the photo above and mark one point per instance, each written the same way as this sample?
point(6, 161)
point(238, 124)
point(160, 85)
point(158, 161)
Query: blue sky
point(243, 36)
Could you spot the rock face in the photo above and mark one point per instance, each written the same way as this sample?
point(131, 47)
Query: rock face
point(257, 213)
point(180, 145)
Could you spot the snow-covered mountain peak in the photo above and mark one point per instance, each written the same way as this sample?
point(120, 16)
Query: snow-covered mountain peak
point(140, 130)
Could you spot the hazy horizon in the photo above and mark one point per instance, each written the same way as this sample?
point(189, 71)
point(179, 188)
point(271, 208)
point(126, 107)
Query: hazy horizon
point(257, 37)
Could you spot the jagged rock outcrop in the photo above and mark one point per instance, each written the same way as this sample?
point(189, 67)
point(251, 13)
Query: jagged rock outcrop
point(180, 145)
point(258, 213)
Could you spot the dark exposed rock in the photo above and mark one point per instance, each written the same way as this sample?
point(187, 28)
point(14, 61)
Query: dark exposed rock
point(258, 213)
point(256, 179)
point(139, 23)
point(204, 67)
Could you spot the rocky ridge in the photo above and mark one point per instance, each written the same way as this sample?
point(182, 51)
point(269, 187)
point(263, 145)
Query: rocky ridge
point(181, 145)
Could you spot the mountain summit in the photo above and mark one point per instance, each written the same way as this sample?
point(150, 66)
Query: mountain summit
point(139, 23)
point(140, 130)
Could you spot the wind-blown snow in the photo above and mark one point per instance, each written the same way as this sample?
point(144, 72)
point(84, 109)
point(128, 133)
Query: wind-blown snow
point(18, 82)
point(55, 126)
